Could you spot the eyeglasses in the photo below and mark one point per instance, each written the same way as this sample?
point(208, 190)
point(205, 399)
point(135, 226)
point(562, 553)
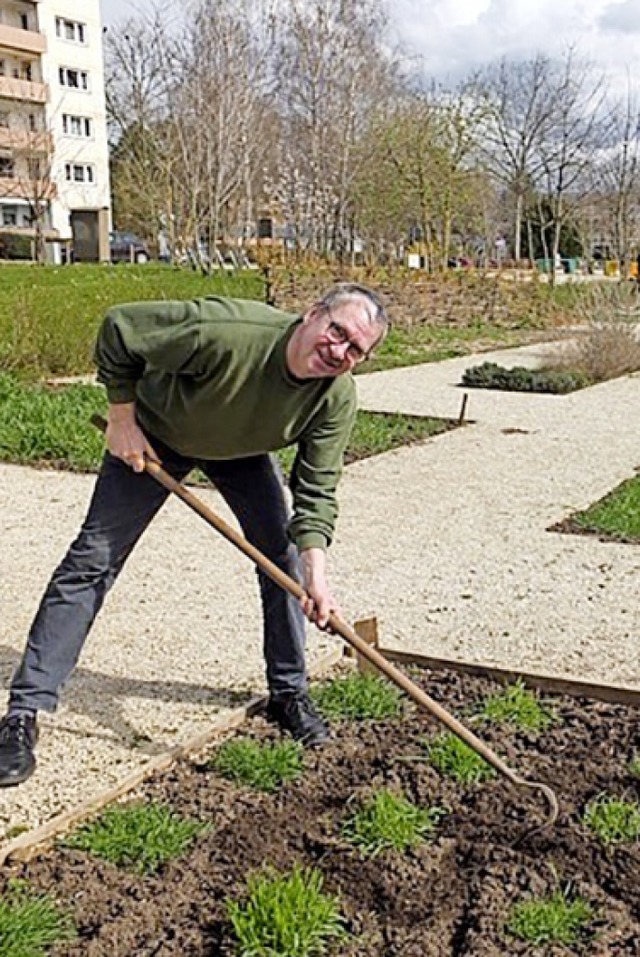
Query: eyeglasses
point(338, 334)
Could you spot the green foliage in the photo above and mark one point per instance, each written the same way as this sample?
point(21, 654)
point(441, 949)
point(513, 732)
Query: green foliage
point(30, 924)
point(261, 766)
point(634, 767)
point(490, 375)
point(286, 915)
point(455, 759)
point(613, 820)
point(39, 424)
point(136, 836)
point(357, 698)
point(554, 919)
point(617, 514)
point(517, 706)
point(389, 822)
point(49, 315)
point(15, 246)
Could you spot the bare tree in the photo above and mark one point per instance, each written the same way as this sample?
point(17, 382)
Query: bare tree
point(31, 171)
point(333, 71)
point(567, 148)
point(136, 97)
point(518, 107)
point(220, 108)
point(618, 177)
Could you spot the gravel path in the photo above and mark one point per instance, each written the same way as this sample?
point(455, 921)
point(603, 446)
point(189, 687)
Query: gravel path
point(445, 542)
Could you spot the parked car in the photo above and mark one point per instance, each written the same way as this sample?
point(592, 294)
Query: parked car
point(128, 248)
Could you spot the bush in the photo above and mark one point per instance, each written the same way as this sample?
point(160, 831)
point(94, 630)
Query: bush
point(15, 246)
point(490, 375)
point(609, 345)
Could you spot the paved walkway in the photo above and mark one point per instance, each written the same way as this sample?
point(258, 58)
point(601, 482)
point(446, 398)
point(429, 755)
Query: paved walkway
point(446, 542)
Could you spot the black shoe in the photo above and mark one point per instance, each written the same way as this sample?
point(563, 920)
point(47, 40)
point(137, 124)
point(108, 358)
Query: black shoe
point(297, 716)
point(18, 736)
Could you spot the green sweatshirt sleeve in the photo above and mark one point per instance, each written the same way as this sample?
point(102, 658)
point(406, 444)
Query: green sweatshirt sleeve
point(140, 336)
point(316, 472)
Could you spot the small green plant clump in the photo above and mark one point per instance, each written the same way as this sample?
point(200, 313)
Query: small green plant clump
point(490, 375)
point(554, 919)
point(613, 820)
point(516, 705)
point(137, 836)
point(358, 697)
point(455, 759)
point(390, 822)
point(30, 924)
point(286, 915)
point(261, 766)
point(634, 767)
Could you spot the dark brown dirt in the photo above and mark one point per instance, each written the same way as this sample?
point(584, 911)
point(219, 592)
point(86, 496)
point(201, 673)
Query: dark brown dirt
point(449, 898)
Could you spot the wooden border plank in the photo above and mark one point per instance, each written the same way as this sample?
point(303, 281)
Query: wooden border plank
point(614, 694)
point(31, 842)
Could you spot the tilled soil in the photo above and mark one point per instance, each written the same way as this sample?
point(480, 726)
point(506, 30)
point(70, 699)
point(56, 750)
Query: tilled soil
point(448, 898)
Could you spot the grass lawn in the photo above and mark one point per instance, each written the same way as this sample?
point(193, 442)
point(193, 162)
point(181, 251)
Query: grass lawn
point(40, 425)
point(49, 315)
point(406, 346)
point(617, 515)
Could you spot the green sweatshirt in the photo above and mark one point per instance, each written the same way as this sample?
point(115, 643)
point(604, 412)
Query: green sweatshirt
point(209, 378)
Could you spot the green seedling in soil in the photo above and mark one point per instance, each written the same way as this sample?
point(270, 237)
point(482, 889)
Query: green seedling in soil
point(613, 820)
point(517, 706)
point(288, 915)
point(261, 766)
point(455, 759)
point(357, 698)
point(634, 767)
point(137, 836)
point(554, 919)
point(390, 822)
point(30, 924)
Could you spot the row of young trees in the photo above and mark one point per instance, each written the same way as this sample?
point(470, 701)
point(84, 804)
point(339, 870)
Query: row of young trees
point(303, 111)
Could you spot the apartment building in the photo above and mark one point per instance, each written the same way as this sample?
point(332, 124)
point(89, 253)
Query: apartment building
point(54, 166)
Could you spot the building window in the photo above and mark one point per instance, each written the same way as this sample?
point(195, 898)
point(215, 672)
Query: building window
point(9, 217)
point(76, 125)
point(73, 79)
point(71, 30)
point(6, 166)
point(79, 173)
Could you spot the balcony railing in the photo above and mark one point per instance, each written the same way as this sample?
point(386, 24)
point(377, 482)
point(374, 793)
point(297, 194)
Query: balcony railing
point(14, 38)
point(23, 141)
point(23, 90)
point(21, 187)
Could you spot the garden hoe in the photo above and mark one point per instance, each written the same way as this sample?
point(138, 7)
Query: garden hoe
point(337, 625)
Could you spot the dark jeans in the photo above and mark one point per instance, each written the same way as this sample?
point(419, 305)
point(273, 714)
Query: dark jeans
point(122, 506)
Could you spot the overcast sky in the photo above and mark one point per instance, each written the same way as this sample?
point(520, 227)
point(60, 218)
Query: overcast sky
point(453, 36)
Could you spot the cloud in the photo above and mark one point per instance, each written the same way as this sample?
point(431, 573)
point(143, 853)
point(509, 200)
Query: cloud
point(621, 17)
point(452, 38)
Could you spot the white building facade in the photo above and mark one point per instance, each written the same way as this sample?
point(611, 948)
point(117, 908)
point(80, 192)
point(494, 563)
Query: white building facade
point(54, 162)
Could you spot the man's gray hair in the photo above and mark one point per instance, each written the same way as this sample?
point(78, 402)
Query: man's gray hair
point(344, 292)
